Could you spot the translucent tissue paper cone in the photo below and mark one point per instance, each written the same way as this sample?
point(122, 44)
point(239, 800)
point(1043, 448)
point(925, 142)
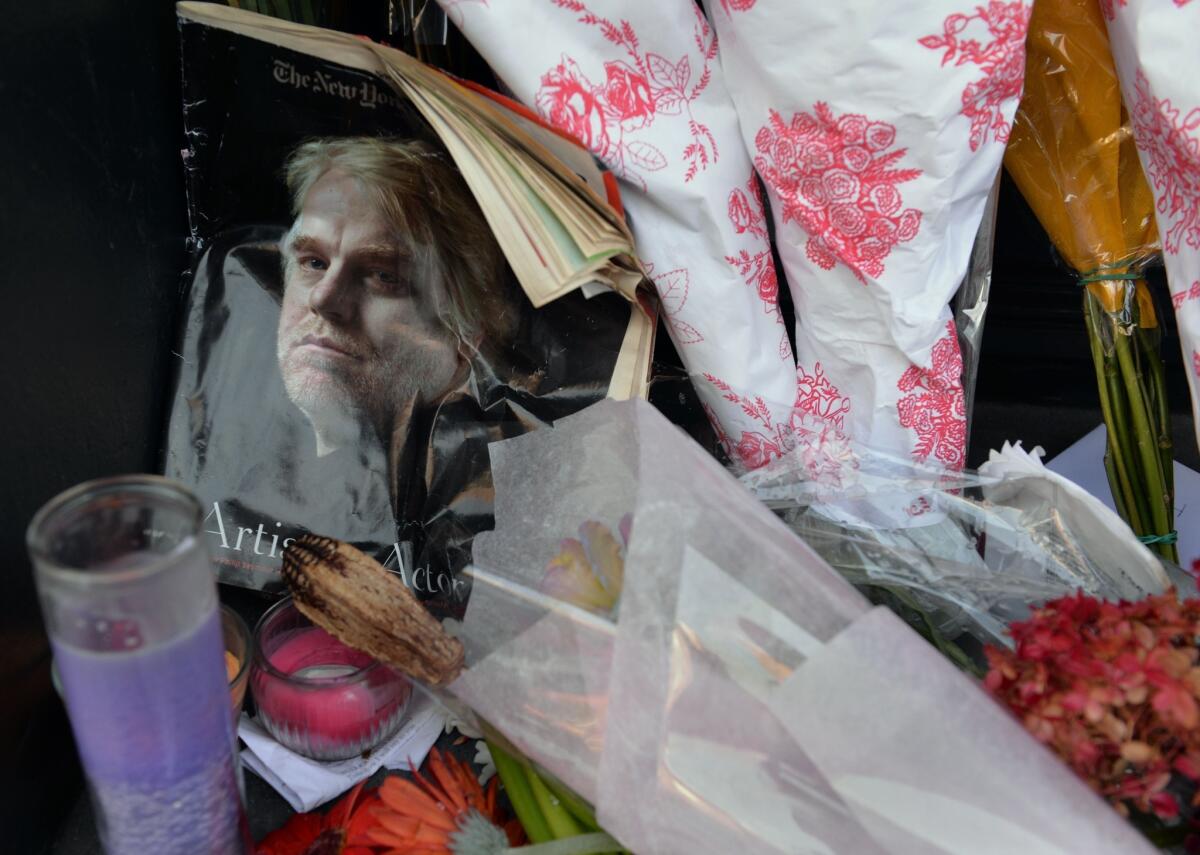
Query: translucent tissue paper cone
point(742, 687)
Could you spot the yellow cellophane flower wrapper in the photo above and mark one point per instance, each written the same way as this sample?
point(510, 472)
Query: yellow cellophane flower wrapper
point(1072, 155)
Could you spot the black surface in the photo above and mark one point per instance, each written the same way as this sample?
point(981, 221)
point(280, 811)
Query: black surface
point(92, 241)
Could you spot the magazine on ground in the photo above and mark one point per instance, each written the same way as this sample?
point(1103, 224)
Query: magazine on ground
point(375, 295)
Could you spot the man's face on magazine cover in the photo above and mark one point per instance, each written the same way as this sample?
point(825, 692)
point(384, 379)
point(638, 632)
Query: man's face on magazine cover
point(356, 332)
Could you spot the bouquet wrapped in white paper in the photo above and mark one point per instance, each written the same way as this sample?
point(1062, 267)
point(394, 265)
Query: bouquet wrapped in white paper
point(878, 129)
point(640, 85)
point(738, 695)
point(1154, 46)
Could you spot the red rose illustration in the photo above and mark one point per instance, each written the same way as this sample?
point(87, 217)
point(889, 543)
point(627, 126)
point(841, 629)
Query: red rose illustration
point(741, 215)
point(836, 177)
point(627, 96)
point(568, 102)
point(768, 285)
point(755, 450)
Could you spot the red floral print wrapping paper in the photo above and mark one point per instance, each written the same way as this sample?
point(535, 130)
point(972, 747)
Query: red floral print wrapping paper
point(1154, 46)
point(878, 129)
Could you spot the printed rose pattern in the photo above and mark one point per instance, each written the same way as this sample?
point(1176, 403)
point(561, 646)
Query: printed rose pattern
point(1110, 12)
point(999, 53)
point(636, 90)
point(754, 448)
point(1171, 153)
point(935, 407)
point(816, 396)
point(571, 103)
point(747, 216)
point(823, 449)
point(731, 6)
point(673, 287)
point(1196, 362)
point(834, 176)
point(1193, 293)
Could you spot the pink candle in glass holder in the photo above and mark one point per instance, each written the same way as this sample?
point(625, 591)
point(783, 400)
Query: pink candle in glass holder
point(317, 696)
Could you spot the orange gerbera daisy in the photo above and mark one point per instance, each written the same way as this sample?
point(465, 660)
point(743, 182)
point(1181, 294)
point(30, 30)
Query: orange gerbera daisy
point(338, 832)
point(446, 815)
point(431, 816)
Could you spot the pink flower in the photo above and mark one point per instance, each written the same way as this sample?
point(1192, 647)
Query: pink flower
point(568, 102)
point(1113, 689)
point(627, 96)
point(590, 571)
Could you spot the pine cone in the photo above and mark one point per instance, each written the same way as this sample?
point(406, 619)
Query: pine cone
point(355, 599)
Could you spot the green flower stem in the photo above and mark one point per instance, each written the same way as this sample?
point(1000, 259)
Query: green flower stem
point(1122, 445)
point(1110, 469)
point(932, 634)
point(561, 823)
point(1147, 445)
point(578, 807)
point(1121, 486)
point(1149, 343)
point(520, 795)
point(1132, 386)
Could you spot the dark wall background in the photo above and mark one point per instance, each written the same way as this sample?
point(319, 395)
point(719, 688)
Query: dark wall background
point(92, 240)
point(92, 236)
point(1036, 381)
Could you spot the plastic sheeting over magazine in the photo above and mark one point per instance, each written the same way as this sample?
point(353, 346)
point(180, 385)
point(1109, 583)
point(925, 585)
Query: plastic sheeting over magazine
point(352, 337)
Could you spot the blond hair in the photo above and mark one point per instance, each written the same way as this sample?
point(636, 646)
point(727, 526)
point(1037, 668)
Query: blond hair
point(425, 198)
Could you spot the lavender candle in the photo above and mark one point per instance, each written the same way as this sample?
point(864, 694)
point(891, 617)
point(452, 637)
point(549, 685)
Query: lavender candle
point(131, 609)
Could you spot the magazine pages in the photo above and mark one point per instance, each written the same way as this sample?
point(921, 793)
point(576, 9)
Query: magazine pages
point(391, 270)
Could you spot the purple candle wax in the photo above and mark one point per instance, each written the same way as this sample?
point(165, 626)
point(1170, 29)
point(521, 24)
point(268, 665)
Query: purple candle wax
point(153, 730)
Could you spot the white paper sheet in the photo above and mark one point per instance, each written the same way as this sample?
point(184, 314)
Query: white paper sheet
point(1083, 463)
point(307, 783)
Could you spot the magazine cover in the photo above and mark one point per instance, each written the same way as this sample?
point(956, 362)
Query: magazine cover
point(352, 336)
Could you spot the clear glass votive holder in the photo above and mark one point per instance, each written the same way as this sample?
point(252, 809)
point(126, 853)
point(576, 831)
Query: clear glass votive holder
point(236, 636)
point(315, 695)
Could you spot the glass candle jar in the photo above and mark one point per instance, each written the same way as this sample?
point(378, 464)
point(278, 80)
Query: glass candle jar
point(130, 606)
point(315, 695)
point(236, 636)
